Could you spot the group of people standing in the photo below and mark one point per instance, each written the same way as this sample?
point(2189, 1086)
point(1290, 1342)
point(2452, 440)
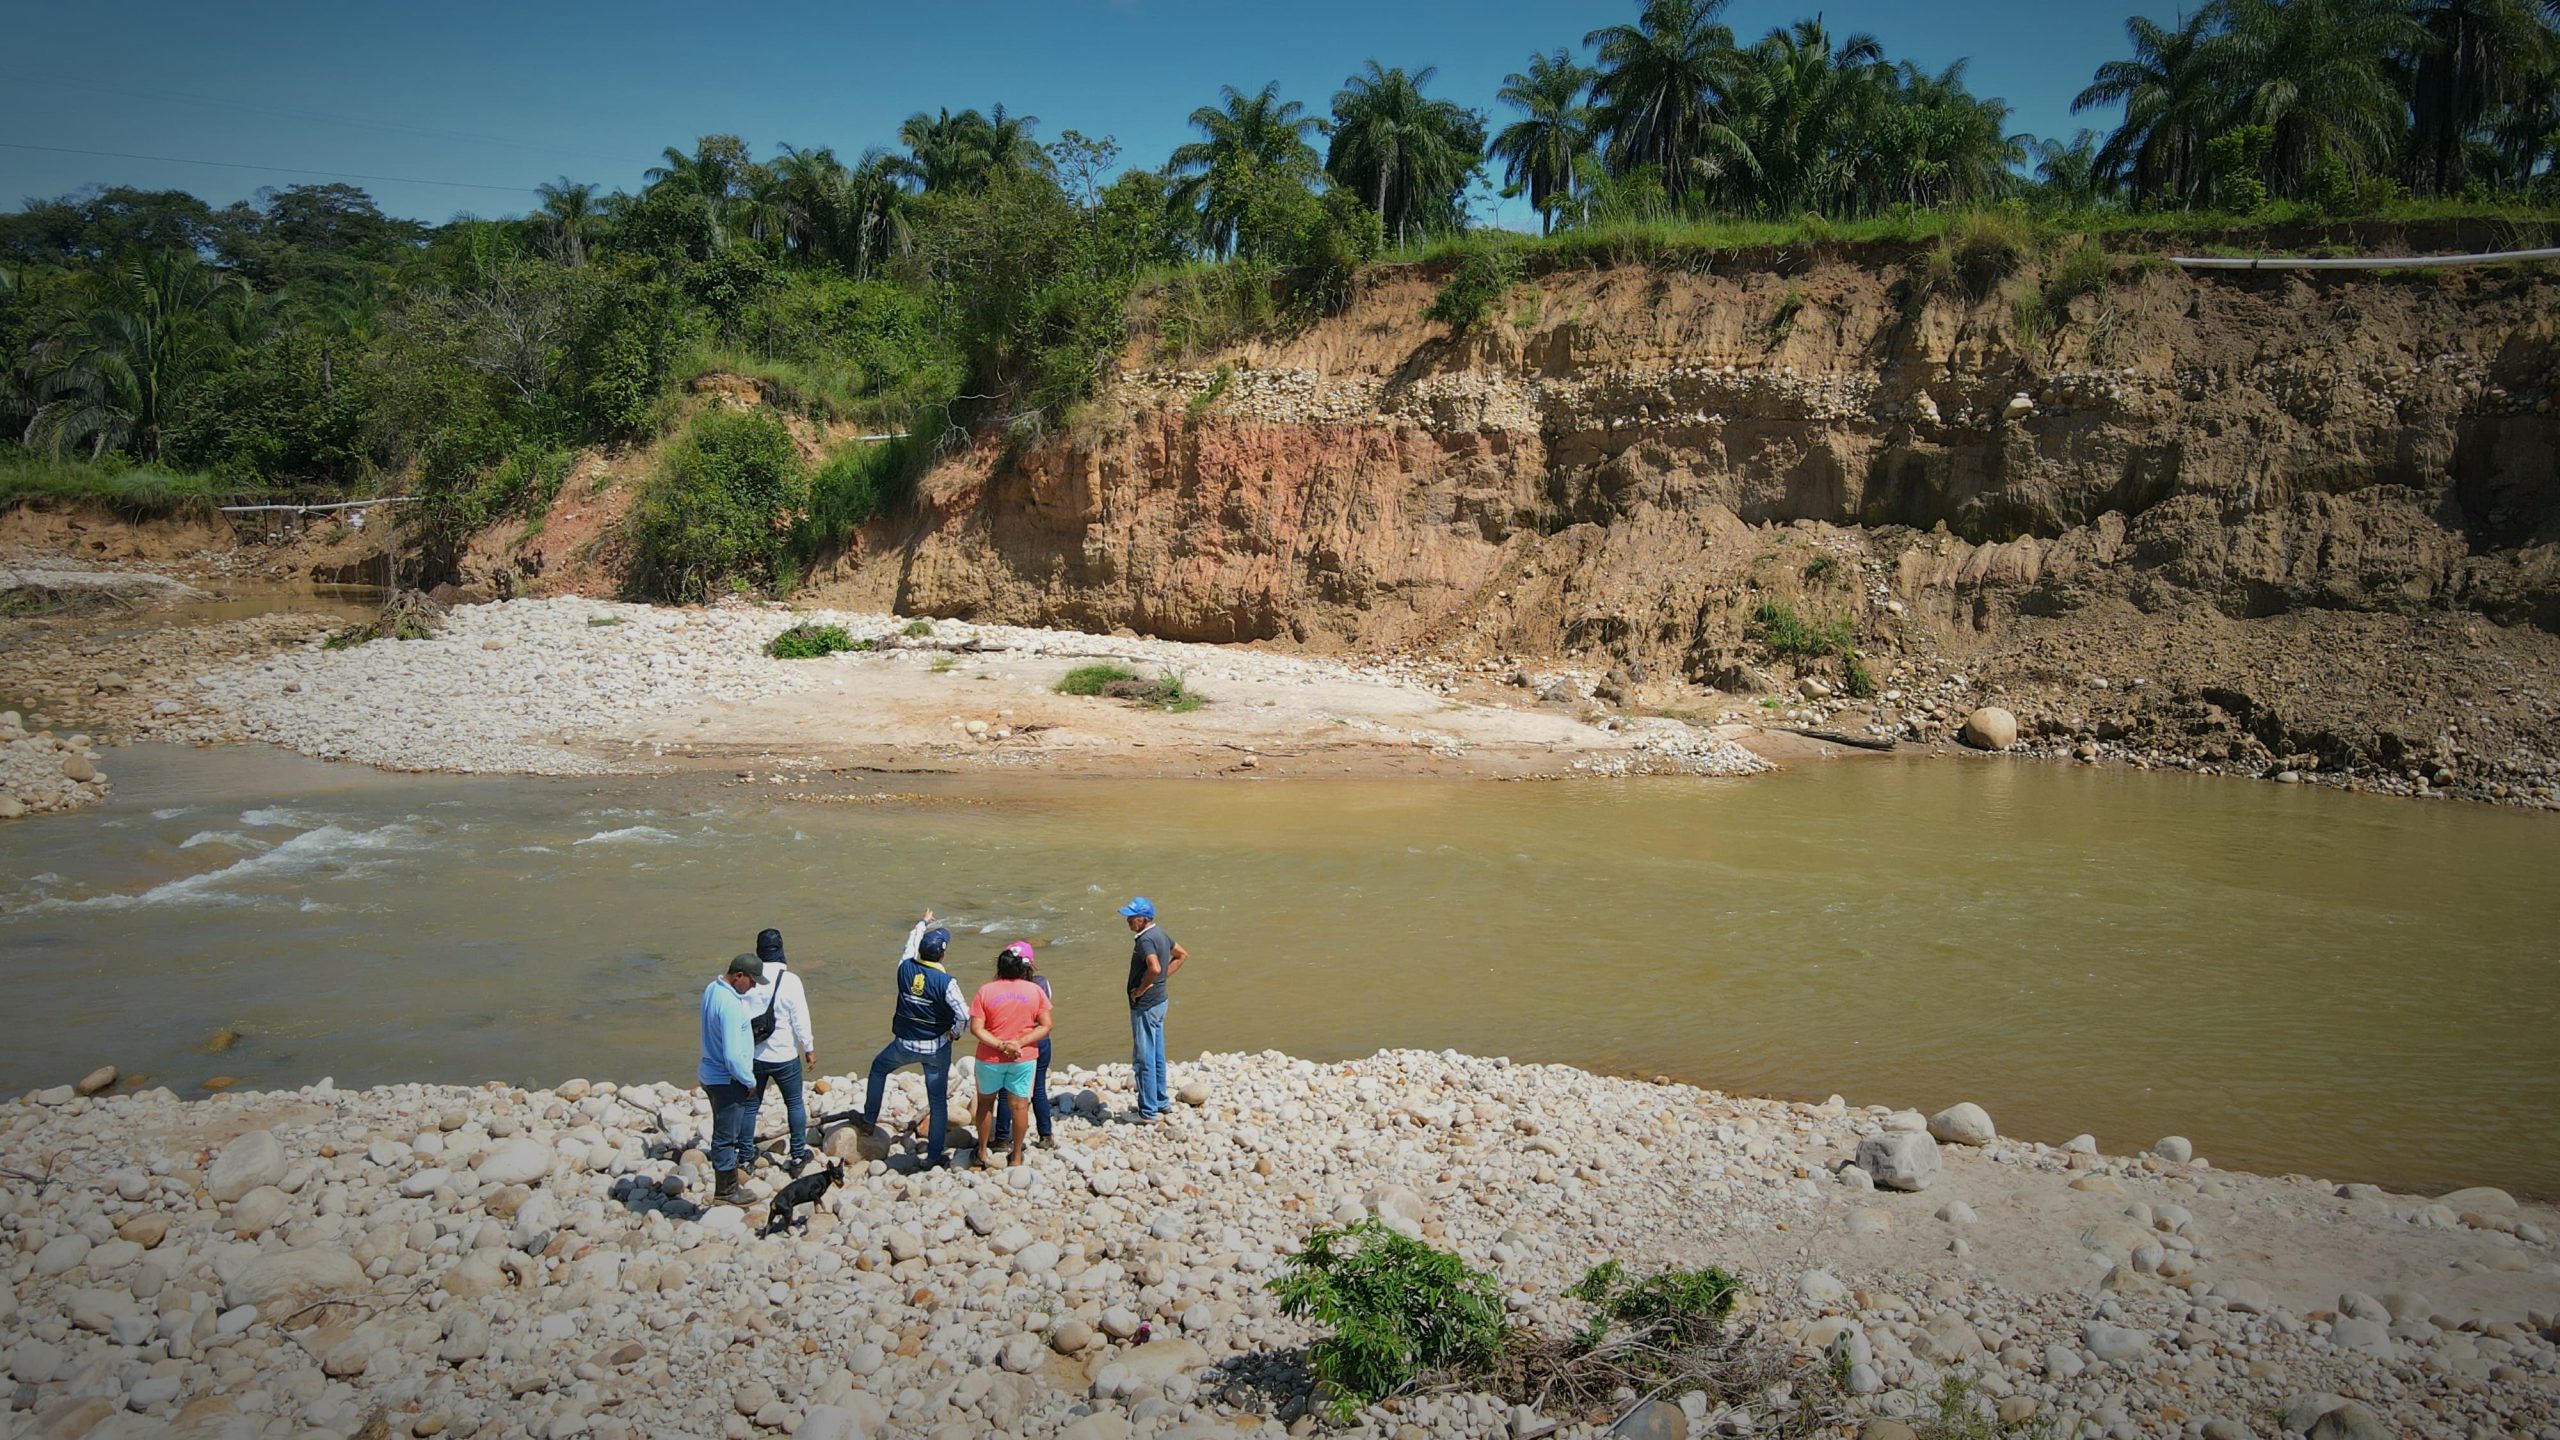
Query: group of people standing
point(756, 1034)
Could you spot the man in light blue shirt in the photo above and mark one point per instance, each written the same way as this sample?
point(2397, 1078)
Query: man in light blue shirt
point(728, 1072)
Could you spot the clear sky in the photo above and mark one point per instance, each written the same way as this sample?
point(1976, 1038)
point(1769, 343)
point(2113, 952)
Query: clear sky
point(490, 99)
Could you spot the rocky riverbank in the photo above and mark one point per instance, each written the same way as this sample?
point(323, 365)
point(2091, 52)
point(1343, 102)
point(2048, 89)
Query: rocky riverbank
point(42, 771)
point(417, 1260)
point(575, 686)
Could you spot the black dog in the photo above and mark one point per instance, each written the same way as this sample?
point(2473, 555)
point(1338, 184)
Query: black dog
point(809, 1189)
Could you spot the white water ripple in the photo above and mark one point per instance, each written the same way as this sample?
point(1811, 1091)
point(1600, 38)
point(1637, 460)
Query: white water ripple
point(630, 835)
point(324, 847)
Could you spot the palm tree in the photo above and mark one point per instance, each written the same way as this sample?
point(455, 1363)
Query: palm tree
point(1538, 150)
point(2485, 53)
point(1659, 97)
point(807, 196)
point(115, 374)
point(569, 212)
point(1407, 154)
point(948, 152)
point(2069, 171)
point(1962, 150)
point(1798, 103)
point(1241, 137)
point(2323, 75)
point(875, 211)
point(718, 171)
point(2171, 107)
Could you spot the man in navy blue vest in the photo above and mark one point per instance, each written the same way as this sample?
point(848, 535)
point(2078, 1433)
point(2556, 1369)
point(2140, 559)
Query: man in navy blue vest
point(931, 1013)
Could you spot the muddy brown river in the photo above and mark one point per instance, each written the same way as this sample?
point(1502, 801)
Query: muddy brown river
point(2297, 980)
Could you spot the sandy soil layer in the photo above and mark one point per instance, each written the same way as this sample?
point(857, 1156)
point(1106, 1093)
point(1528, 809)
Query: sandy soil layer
point(416, 1260)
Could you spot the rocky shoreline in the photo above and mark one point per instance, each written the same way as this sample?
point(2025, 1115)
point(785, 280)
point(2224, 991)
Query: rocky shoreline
point(41, 771)
point(420, 1260)
point(571, 686)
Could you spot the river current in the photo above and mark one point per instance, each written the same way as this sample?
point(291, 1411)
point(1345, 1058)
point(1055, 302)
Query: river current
point(2296, 979)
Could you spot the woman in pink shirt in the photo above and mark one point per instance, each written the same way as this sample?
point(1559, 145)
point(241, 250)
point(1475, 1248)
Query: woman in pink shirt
point(1009, 1015)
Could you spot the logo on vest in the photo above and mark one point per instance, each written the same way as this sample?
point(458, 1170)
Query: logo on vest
point(916, 986)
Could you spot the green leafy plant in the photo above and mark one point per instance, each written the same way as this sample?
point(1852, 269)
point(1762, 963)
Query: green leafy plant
point(1092, 679)
point(944, 664)
point(1200, 404)
point(917, 629)
point(1483, 275)
point(1396, 1308)
point(1783, 322)
point(1856, 678)
point(806, 641)
point(717, 516)
point(1787, 634)
point(1688, 1304)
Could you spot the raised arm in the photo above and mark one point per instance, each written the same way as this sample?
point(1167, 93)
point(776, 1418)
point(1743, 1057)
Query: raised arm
point(915, 937)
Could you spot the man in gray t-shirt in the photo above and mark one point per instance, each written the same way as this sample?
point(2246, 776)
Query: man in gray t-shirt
point(1152, 960)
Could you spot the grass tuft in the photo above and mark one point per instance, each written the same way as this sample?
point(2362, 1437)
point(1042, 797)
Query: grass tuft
point(1092, 679)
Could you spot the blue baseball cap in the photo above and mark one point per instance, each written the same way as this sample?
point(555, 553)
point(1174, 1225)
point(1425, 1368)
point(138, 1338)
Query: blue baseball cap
point(1140, 906)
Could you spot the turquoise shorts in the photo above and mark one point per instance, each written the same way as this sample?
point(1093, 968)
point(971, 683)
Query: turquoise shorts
point(999, 1077)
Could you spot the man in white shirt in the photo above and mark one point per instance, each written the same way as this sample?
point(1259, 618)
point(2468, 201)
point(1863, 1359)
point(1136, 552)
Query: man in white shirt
point(778, 1016)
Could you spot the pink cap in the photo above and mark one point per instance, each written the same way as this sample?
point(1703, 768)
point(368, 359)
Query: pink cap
point(1019, 947)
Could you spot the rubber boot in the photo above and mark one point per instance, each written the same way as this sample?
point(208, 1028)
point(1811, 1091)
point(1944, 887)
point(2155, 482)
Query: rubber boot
point(726, 1191)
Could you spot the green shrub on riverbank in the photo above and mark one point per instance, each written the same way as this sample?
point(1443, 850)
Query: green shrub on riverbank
point(1397, 1310)
point(805, 641)
point(715, 517)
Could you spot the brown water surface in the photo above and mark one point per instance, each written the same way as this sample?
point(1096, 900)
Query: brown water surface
point(2298, 980)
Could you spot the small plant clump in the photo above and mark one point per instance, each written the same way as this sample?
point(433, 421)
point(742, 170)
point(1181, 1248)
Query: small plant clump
point(1168, 693)
point(409, 615)
point(1856, 678)
point(598, 622)
point(1398, 1310)
point(1787, 634)
point(1090, 679)
point(805, 641)
point(917, 629)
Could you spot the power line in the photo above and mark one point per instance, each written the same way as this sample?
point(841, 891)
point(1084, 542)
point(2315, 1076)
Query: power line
point(170, 96)
point(267, 169)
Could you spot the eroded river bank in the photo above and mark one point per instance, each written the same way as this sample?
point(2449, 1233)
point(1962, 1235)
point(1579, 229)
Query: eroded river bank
point(2295, 979)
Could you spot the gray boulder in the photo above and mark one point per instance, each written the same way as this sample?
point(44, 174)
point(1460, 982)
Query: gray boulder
point(1900, 1161)
point(1965, 1124)
point(253, 1160)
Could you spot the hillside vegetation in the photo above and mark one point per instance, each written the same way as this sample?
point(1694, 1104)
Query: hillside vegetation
point(975, 281)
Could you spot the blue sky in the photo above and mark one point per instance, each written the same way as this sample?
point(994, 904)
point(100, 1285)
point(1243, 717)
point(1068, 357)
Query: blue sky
point(491, 98)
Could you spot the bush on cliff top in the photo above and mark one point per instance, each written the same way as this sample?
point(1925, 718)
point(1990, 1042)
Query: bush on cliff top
point(718, 515)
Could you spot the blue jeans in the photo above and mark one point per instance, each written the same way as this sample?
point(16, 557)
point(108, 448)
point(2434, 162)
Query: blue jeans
point(1000, 1130)
point(733, 1125)
point(785, 1075)
point(1146, 1056)
point(937, 1089)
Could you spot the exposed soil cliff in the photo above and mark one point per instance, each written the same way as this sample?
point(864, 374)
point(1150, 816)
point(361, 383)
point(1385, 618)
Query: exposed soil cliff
point(2316, 517)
